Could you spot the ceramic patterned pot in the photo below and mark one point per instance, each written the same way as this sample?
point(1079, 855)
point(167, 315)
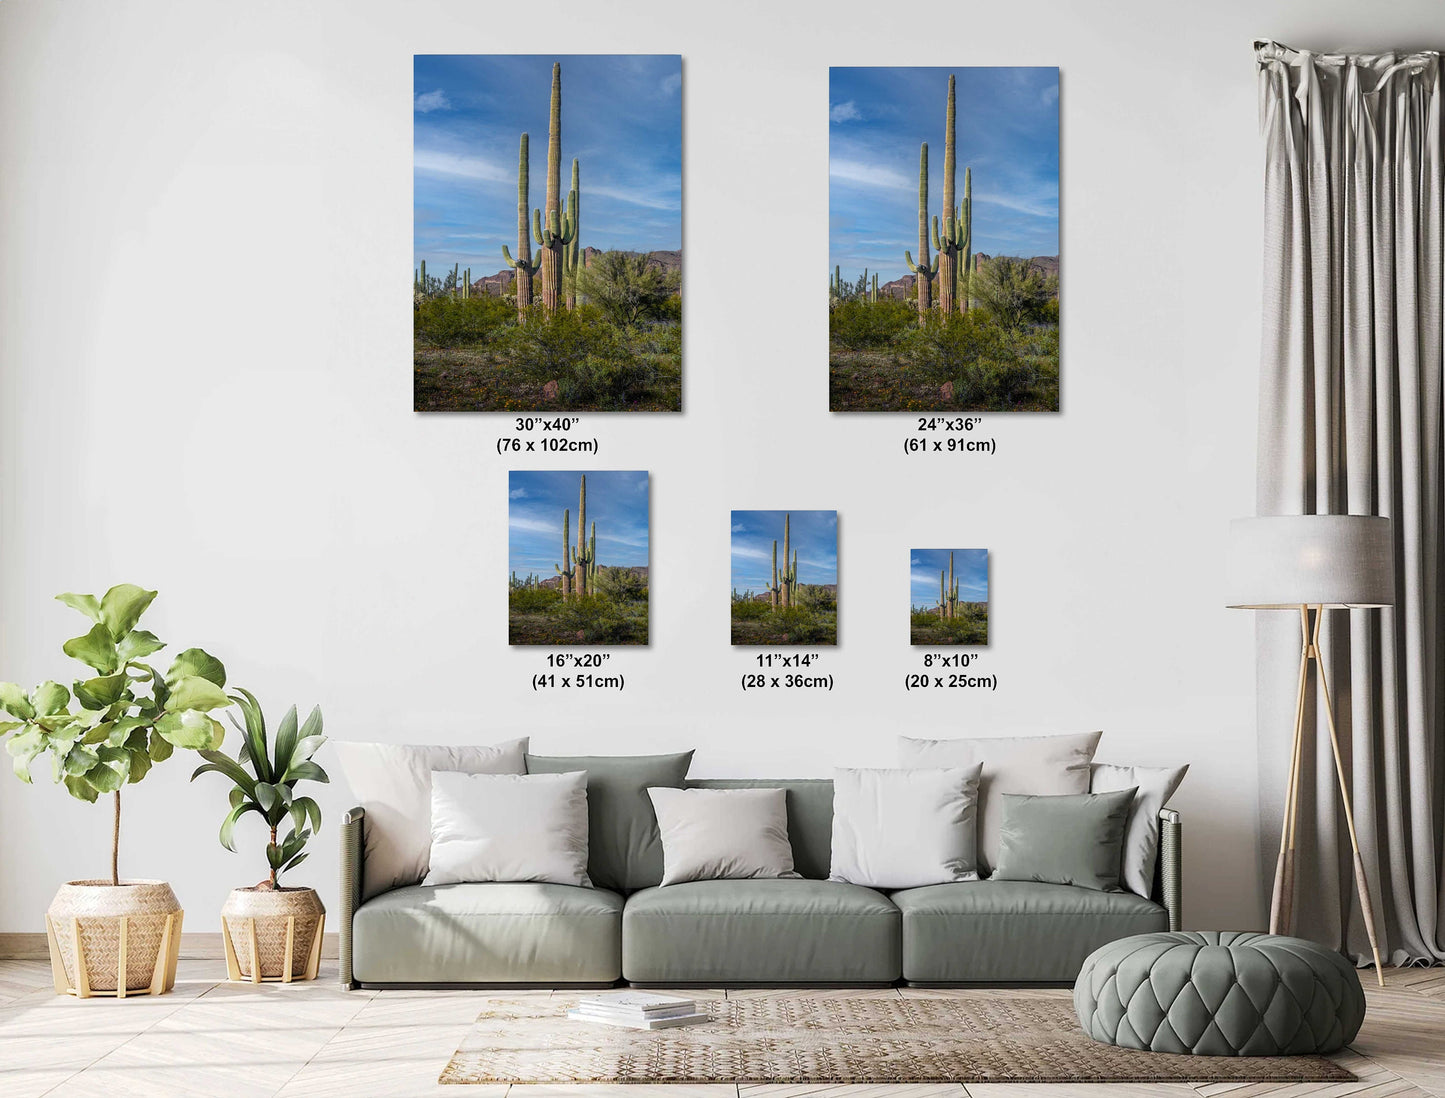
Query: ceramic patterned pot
point(273, 934)
point(110, 939)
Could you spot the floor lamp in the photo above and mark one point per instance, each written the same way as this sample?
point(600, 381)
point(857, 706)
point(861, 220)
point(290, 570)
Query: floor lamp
point(1307, 564)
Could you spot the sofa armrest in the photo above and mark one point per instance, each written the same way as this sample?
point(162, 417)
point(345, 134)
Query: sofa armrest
point(352, 855)
point(1169, 869)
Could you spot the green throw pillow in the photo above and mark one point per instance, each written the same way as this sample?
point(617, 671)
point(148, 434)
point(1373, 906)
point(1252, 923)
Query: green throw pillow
point(624, 845)
point(1076, 839)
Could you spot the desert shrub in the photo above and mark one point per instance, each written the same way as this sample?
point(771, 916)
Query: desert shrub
point(995, 384)
point(447, 321)
point(671, 310)
point(627, 288)
point(1013, 292)
point(815, 596)
point(534, 600)
point(750, 609)
point(946, 345)
point(656, 338)
point(621, 584)
point(591, 361)
point(804, 626)
point(610, 382)
point(599, 621)
point(859, 325)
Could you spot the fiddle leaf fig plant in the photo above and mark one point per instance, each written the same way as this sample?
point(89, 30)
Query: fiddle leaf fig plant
point(107, 730)
point(264, 777)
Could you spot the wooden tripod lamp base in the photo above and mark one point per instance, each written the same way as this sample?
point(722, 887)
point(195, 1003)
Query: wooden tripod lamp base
point(1308, 563)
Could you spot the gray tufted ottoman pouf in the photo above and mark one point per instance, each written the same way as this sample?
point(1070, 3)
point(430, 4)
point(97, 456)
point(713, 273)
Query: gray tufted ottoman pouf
point(1219, 993)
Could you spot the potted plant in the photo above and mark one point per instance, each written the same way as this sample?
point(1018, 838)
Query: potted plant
point(110, 937)
point(272, 932)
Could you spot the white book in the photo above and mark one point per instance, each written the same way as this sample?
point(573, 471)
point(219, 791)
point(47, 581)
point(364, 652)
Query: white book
point(640, 1023)
point(638, 1003)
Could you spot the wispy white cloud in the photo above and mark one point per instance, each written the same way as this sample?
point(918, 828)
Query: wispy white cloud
point(844, 112)
point(631, 197)
point(864, 174)
point(1050, 95)
point(738, 528)
point(440, 162)
point(1041, 204)
point(517, 493)
point(430, 101)
point(671, 83)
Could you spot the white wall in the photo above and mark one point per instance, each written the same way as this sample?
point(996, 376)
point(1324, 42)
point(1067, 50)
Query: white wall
point(205, 244)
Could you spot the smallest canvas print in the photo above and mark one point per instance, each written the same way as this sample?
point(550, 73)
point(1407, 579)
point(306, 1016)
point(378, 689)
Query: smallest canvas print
point(785, 577)
point(577, 548)
point(948, 596)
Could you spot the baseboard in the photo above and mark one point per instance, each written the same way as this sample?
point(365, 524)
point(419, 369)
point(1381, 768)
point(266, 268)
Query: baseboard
point(196, 947)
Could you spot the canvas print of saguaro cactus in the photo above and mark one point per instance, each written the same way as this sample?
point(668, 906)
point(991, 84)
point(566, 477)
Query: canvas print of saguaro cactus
point(943, 239)
point(790, 598)
point(577, 547)
point(948, 596)
point(547, 233)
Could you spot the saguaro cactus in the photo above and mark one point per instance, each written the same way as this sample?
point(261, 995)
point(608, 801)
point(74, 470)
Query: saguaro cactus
point(523, 264)
point(554, 231)
point(947, 593)
point(773, 586)
point(947, 233)
point(567, 569)
point(874, 296)
point(965, 271)
point(423, 276)
point(583, 557)
point(572, 252)
point(923, 269)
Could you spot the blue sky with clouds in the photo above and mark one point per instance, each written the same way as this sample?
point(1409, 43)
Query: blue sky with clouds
point(970, 570)
point(621, 117)
point(814, 534)
point(1007, 131)
point(616, 501)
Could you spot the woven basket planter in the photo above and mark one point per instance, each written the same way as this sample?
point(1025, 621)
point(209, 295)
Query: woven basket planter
point(273, 934)
point(115, 940)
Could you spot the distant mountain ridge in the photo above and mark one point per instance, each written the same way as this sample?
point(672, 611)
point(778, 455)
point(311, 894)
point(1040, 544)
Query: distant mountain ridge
point(501, 282)
point(636, 569)
point(900, 288)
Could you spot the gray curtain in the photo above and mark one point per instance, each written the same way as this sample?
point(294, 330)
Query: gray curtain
point(1350, 423)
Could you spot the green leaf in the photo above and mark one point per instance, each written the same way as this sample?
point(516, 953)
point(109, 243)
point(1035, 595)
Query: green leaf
point(14, 701)
point(192, 729)
point(196, 663)
point(194, 692)
point(161, 748)
point(88, 605)
point(49, 698)
point(237, 797)
point(293, 863)
point(223, 764)
point(253, 745)
point(140, 764)
point(95, 649)
point(267, 796)
point(304, 809)
point(10, 726)
point(122, 606)
point(79, 760)
point(24, 748)
point(66, 726)
point(138, 644)
point(306, 772)
point(306, 748)
point(285, 740)
point(105, 779)
point(273, 856)
point(102, 692)
point(81, 788)
point(228, 825)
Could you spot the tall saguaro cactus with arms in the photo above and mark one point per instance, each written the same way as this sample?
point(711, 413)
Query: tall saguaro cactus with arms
point(947, 232)
point(554, 231)
point(572, 253)
point(923, 269)
point(523, 264)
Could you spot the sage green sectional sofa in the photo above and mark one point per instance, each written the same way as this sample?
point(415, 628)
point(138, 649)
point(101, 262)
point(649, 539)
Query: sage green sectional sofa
point(807, 931)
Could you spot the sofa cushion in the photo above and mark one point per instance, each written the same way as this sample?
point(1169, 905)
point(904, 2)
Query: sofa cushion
point(760, 931)
point(1016, 931)
point(625, 846)
point(810, 817)
point(489, 933)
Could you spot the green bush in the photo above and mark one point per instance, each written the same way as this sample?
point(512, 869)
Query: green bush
point(804, 626)
point(626, 287)
point(1013, 292)
point(592, 362)
point(945, 346)
point(621, 584)
point(860, 325)
point(534, 600)
point(750, 609)
point(447, 321)
point(815, 596)
point(599, 621)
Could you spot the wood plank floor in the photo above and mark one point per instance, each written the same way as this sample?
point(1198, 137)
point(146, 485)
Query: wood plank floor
point(213, 1039)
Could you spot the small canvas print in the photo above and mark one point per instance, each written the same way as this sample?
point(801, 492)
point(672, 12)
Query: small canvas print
point(547, 233)
point(948, 596)
point(577, 546)
point(943, 239)
point(785, 577)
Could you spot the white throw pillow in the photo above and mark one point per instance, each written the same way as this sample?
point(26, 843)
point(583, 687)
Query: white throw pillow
point(1156, 784)
point(508, 827)
point(721, 834)
point(905, 828)
point(392, 781)
point(1037, 765)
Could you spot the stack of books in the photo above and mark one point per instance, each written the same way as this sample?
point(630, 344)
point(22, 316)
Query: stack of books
point(638, 1010)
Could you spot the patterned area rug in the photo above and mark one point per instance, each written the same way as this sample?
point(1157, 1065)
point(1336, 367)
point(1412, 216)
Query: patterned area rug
point(797, 1039)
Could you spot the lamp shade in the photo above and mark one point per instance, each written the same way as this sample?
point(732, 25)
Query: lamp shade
point(1283, 562)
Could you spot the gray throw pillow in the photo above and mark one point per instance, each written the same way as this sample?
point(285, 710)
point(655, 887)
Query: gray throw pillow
point(626, 848)
point(1156, 784)
point(1076, 839)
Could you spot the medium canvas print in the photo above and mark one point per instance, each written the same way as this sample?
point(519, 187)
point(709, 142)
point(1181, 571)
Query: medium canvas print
point(577, 546)
point(547, 233)
point(948, 596)
point(785, 577)
point(943, 239)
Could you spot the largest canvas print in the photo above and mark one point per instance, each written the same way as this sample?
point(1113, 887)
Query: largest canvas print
point(547, 233)
point(943, 266)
